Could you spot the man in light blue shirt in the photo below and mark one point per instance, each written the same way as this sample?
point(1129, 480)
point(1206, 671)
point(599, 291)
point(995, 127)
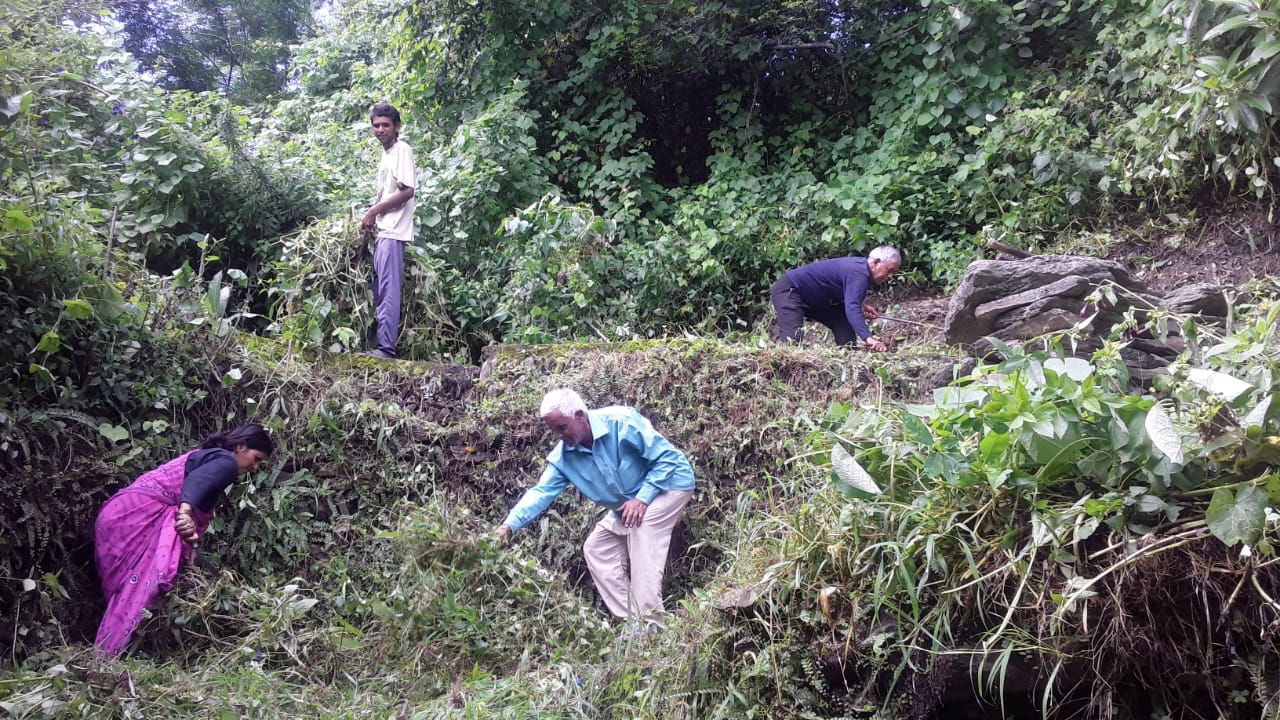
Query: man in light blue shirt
point(616, 459)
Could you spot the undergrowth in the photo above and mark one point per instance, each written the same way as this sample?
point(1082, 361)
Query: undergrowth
point(1035, 534)
point(1040, 534)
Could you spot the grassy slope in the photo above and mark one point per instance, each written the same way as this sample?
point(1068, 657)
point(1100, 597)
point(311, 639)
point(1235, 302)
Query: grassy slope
point(392, 477)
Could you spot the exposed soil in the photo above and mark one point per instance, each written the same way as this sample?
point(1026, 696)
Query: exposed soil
point(1229, 249)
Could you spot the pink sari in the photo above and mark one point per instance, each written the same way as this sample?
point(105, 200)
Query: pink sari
point(137, 550)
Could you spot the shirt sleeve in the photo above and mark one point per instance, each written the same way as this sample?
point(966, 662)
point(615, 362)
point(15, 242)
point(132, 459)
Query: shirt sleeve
point(537, 498)
point(402, 168)
point(214, 471)
point(855, 291)
point(662, 458)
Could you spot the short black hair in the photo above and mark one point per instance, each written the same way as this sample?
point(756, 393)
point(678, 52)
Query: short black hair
point(385, 110)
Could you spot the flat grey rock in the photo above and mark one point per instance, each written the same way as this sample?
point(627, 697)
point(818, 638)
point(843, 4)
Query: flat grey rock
point(1071, 286)
point(986, 281)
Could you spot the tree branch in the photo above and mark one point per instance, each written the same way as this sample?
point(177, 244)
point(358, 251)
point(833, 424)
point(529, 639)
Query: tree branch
point(829, 47)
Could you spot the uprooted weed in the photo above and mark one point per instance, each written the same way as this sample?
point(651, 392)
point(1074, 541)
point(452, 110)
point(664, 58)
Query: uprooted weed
point(320, 293)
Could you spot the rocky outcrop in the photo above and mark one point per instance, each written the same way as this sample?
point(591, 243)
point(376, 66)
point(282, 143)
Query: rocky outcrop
point(992, 288)
point(1016, 300)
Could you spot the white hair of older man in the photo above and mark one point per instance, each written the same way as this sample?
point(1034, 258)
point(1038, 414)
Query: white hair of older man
point(886, 253)
point(564, 401)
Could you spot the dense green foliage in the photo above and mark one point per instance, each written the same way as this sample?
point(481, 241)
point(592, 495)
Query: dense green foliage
point(620, 171)
point(152, 173)
point(238, 48)
point(106, 367)
point(617, 170)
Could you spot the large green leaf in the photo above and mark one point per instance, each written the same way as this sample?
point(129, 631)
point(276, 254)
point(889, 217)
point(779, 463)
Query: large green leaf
point(1221, 383)
point(16, 221)
point(1257, 417)
point(953, 396)
point(49, 342)
point(1077, 369)
point(1164, 436)
point(41, 372)
point(1237, 517)
point(851, 475)
point(11, 105)
point(77, 308)
point(114, 433)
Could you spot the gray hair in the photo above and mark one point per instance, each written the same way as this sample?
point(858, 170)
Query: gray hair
point(886, 253)
point(562, 400)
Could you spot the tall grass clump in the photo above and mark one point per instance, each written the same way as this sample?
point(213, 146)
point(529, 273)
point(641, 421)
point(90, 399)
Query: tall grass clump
point(320, 295)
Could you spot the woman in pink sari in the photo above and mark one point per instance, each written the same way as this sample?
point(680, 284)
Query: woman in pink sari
point(147, 530)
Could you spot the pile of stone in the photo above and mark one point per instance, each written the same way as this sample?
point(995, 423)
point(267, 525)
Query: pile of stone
point(1017, 300)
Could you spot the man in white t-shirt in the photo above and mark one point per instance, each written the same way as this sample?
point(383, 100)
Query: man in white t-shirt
point(391, 221)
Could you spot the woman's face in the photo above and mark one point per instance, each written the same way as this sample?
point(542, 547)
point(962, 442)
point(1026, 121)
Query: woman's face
point(248, 459)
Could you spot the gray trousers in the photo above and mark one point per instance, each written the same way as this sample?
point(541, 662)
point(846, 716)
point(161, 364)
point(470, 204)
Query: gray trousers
point(792, 312)
point(388, 278)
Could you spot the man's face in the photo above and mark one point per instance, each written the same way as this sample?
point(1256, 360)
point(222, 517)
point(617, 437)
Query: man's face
point(386, 131)
point(573, 430)
point(881, 270)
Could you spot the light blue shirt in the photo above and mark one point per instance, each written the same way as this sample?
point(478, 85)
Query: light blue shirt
point(627, 460)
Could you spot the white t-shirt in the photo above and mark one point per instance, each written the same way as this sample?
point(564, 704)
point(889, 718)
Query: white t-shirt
point(396, 169)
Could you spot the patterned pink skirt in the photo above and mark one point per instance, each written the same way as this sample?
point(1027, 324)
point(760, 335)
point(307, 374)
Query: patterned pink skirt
point(138, 551)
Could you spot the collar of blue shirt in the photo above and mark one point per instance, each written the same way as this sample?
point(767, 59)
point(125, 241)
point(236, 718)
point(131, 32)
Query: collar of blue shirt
point(598, 430)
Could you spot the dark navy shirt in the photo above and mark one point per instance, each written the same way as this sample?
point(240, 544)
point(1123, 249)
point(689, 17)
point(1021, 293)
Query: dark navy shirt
point(826, 285)
point(209, 472)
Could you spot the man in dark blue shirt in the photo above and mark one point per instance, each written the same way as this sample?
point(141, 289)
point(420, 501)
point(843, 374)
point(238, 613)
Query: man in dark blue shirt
point(832, 292)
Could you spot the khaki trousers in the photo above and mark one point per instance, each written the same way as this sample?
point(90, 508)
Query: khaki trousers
point(612, 549)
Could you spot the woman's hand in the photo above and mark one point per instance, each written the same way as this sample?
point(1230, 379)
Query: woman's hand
point(185, 525)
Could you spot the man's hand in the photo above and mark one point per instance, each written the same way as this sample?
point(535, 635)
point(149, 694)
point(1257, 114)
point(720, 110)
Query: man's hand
point(504, 535)
point(363, 248)
point(185, 525)
point(632, 512)
point(869, 311)
point(370, 220)
point(876, 345)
